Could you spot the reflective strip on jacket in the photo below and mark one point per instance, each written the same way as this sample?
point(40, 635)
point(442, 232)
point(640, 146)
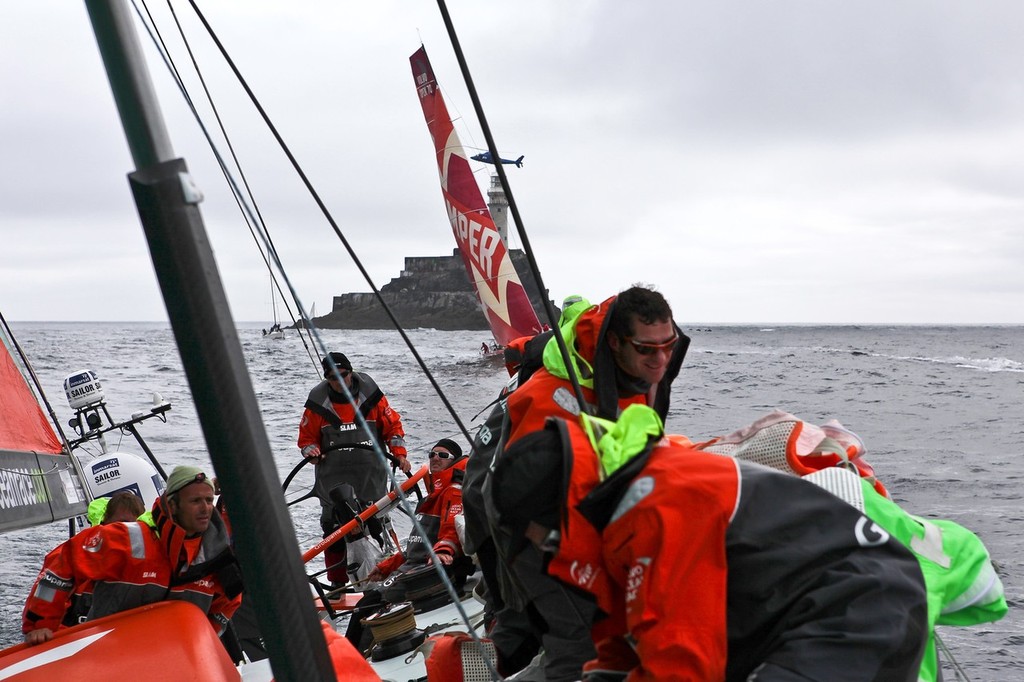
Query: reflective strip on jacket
point(127, 565)
point(962, 585)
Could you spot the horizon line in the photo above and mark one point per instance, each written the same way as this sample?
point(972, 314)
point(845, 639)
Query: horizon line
point(685, 326)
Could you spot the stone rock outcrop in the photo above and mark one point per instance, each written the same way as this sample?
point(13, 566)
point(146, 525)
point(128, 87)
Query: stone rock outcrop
point(431, 291)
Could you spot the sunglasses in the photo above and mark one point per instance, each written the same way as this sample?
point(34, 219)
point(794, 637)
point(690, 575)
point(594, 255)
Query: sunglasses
point(330, 375)
point(652, 348)
point(439, 453)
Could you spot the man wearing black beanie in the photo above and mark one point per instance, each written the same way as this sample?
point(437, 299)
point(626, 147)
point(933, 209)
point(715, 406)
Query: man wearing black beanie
point(343, 451)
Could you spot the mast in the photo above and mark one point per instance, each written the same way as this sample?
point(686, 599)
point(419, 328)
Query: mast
point(207, 340)
point(273, 299)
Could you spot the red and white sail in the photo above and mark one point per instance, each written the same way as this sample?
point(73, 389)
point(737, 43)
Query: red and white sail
point(501, 294)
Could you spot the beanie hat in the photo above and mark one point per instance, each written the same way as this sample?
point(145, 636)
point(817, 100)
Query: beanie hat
point(185, 475)
point(449, 445)
point(339, 359)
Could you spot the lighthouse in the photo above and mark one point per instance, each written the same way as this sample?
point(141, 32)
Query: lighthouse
point(497, 203)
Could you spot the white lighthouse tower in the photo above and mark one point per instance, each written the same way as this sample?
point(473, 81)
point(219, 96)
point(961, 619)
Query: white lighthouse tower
point(497, 203)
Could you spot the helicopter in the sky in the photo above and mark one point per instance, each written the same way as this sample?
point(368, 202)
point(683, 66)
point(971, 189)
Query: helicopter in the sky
point(485, 157)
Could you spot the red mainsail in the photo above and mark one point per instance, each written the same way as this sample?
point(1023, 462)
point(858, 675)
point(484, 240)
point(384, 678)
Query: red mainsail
point(24, 426)
point(38, 481)
point(498, 288)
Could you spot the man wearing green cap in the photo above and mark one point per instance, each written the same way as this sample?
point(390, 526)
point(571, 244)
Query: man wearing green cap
point(184, 555)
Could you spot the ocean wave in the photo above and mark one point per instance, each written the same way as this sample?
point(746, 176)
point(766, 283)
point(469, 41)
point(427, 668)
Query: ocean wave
point(996, 364)
point(734, 351)
point(981, 364)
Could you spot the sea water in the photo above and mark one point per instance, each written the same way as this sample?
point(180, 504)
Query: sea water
point(941, 410)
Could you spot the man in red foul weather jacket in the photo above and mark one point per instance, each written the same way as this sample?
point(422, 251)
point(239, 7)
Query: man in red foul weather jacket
point(184, 555)
point(717, 569)
point(330, 436)
point(625, 351)
point(436, 513)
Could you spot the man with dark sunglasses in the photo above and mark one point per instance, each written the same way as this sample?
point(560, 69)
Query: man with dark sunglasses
point(343, 451)
point(436, 513)
point(626, 350)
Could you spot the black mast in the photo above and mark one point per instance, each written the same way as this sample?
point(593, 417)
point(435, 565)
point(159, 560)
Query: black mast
point(212, 356)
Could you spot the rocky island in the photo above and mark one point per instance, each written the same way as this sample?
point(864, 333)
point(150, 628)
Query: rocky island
point(431, 291)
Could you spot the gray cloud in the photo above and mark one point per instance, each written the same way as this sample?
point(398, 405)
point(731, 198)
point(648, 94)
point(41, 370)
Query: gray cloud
point(792, 161)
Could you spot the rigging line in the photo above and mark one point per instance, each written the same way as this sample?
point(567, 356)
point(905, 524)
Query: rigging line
point(458, 117)
point(244, 208)
point(270, 251)
point(330, 219)
point(513, 207)
point(404, 500)
point(260, 223)
point(35, 472)
point(234, 157)
point(957, 669)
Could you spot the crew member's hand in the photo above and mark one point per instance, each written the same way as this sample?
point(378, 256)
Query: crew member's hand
point(445, 558)
point(311, 452)
point(404, 465)
point(39, 636)
point(376, 575)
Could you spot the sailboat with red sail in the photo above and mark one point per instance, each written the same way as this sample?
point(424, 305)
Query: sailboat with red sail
point(485, 255)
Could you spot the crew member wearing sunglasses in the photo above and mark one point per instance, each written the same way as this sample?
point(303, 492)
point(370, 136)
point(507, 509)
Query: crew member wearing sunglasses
point(332, 436)
point(436, 512)
point(626, 350)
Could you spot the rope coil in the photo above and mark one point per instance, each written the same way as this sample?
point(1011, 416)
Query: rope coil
point(394, 622)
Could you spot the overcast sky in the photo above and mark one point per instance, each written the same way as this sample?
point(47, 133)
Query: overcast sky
point(757, 162)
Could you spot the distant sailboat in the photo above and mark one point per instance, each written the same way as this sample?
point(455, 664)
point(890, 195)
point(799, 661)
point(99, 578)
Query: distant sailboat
point(275, 331)
point(498, 288)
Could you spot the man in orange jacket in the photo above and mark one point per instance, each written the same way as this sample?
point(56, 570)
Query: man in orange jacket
point(627, 350)
point(331, 437)
point(185, 555)
point(435, 513)
point(436, 516)
point(717, 569)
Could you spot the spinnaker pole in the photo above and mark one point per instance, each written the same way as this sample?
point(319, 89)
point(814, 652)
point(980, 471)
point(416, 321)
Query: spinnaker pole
point(210, 351)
